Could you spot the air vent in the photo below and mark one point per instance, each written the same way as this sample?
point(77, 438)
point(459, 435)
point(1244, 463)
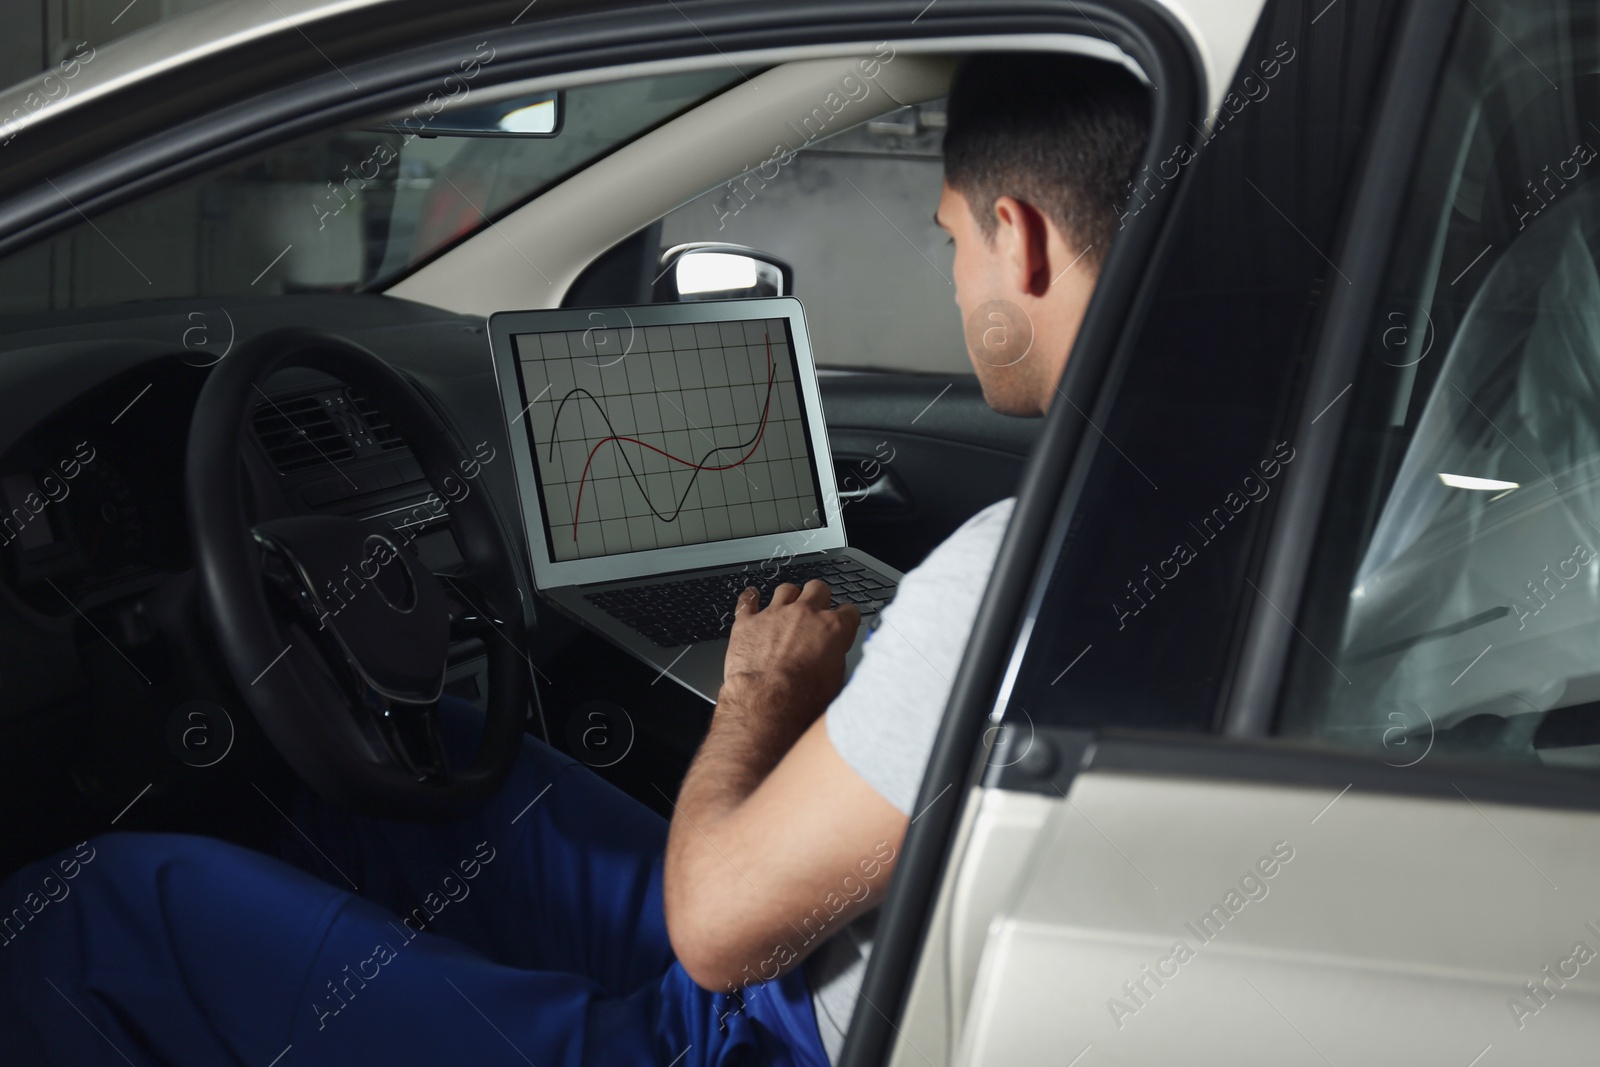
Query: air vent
point(384, 435)
point(298, 434)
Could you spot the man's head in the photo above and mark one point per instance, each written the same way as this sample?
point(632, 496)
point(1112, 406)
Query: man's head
point(1037, 157)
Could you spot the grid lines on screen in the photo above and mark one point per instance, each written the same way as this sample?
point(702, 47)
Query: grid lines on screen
point(656, 436)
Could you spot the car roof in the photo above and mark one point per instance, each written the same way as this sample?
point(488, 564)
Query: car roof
point(162, 103)
point(166, 46)
point(1219, 30)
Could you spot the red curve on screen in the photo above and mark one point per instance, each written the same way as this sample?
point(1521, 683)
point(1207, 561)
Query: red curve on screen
point(760, 432)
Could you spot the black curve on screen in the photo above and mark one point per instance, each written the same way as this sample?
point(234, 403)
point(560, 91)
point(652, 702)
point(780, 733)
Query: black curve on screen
point(697, 467)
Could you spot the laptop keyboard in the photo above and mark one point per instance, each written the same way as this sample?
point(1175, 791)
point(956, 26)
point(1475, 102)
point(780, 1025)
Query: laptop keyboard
point(701, 609)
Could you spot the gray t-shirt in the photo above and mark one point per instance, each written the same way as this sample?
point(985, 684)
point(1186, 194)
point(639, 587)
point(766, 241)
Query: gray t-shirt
point(883, 723)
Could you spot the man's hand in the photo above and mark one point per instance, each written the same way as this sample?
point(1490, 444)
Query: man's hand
point(789, 657)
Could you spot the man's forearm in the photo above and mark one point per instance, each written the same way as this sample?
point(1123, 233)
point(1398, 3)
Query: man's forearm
point(750, 732)
point(712, 882)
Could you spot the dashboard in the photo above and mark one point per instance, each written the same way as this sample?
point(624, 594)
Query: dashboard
point(105, 654)
point(95, 407)
point(92, 497)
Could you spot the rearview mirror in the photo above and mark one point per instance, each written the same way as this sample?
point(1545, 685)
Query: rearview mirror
point(529, 115)
point(710, 271)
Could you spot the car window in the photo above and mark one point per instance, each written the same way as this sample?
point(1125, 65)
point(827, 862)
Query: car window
point(1184, 454)
point(853, 214)
point(351, 209)
point(1455, 606)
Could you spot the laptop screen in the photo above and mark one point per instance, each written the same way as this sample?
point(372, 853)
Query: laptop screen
point(656, 436)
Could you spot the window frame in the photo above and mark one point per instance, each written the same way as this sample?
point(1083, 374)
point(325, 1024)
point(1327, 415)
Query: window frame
point(1259, 673)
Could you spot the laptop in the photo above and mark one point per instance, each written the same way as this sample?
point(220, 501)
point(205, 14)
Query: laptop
point(667, 456)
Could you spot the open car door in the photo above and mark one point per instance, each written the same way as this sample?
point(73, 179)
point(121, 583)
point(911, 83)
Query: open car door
point(1298, 745)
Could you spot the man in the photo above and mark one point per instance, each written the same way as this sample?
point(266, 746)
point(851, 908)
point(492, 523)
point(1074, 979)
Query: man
point(789, 819)
point(565, 923)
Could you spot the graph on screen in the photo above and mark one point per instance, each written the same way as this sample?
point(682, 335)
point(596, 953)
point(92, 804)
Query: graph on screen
point(657, 436)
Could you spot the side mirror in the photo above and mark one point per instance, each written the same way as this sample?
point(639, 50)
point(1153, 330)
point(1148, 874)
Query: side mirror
point(709, 271)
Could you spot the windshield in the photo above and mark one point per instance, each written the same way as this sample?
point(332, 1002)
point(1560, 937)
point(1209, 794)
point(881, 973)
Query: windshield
point(350, 210)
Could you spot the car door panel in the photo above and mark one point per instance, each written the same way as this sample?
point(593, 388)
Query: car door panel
point(998, 837)
point(1387, 932)
point(930, 451)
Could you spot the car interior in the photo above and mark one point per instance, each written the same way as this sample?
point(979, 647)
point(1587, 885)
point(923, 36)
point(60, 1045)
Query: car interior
point(152, 486)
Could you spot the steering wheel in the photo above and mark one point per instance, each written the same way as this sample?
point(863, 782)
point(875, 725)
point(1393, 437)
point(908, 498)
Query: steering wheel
point(334, 631)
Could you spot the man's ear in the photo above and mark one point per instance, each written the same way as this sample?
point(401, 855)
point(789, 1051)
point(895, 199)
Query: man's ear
point(1023, 235)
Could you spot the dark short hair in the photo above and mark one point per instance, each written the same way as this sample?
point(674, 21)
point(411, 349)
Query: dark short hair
point(1064, 133)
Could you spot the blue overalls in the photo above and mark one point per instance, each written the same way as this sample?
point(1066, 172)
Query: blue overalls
point(531, 932)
